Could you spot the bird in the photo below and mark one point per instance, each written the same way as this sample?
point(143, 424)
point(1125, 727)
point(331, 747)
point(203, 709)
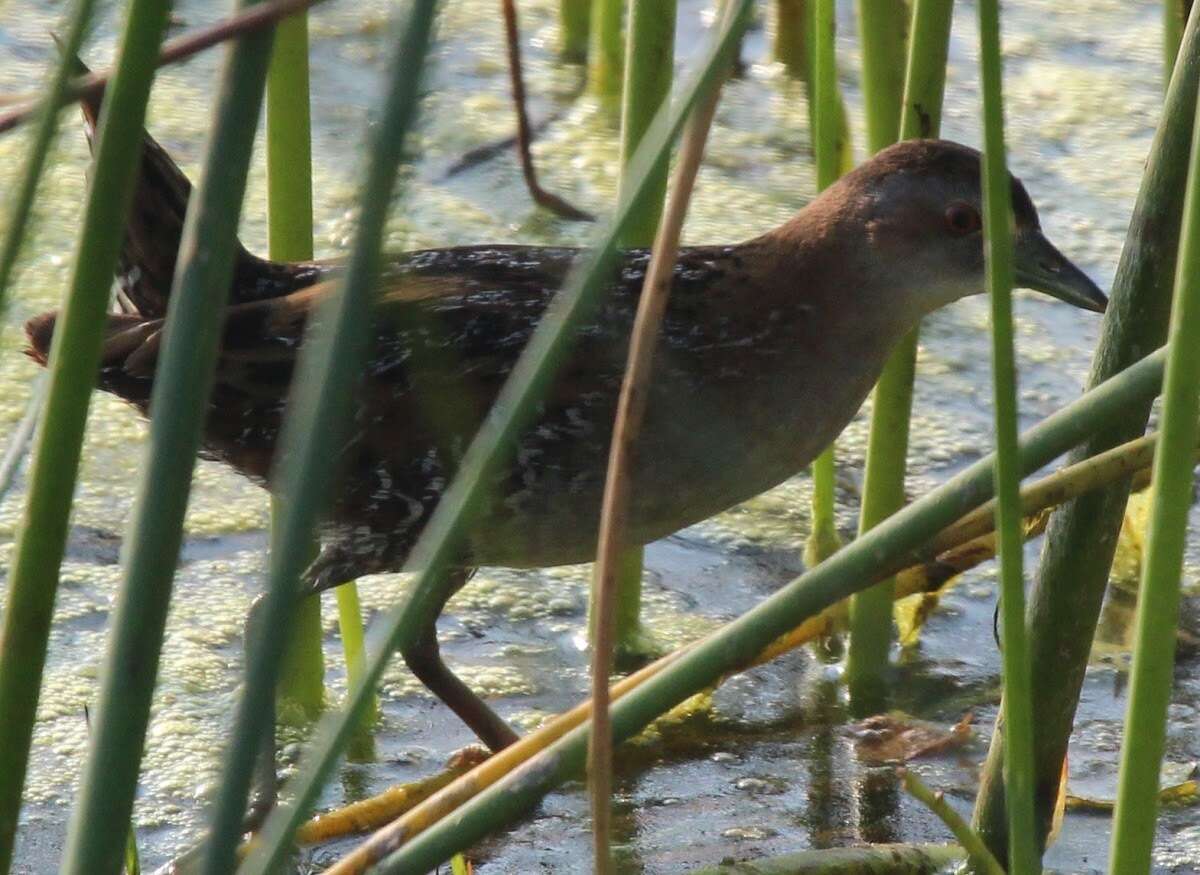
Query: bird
point(767, 350)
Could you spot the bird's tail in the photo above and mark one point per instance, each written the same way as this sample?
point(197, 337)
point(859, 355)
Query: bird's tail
point(146, 268)
point(146, 263)
point(128, 356)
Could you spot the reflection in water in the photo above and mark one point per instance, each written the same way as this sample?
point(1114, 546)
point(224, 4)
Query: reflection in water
point(879, 805)
point(824, 714)
point(626, 832)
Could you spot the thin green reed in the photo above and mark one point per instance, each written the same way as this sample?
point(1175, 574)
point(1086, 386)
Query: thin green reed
point(793, 47)
point(512, 411)
point(330, 362)
point(75, 354)
point(1152, 673)
point(1175, 14)
point(290, 238)
point(885, 549)
point(574, 18)
point(882, 27)
point(789, 42)
point(41, 140)
point(100, 820)
point(887, 102)
point(649, 70)
point(1073, 574)
point(1016, 705)
point(823, 540)
point(891, 408)
point(604, 51)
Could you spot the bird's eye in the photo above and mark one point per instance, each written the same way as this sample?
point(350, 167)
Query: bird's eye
point(962, 219)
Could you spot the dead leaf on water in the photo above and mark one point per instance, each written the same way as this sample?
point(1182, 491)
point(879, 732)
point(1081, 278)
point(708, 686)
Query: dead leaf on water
point(897, 737)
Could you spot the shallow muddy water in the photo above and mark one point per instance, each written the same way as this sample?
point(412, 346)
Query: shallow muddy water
point(771, 767)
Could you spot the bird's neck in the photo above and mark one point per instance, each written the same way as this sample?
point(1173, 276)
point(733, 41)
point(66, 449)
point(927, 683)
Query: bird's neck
point(823, 262)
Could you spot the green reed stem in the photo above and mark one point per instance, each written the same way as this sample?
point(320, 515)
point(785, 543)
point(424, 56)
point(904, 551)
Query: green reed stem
point(289, 144)
point(1175, 13)
point(882, 27)
point(605, 63)
point(132, 862)
point(40, 143)
point(100, 820)
point(793, 47)
point(1073, 575)
point(982, 861)
point(880, 552)
point(925, 74)
point(1016, 706)
point(823, 540)
point(574, 23)
point(301, 692)
point(649, 69)
point(290, 238)
point(891, 408)
point(513, 409)
point(825, 93)
point(789, 42)
point(74, 357)
point(1152, 673)
point(351, 622)
point(330, 362)
point(881, 859)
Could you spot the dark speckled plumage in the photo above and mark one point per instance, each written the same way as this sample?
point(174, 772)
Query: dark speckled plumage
point(758, 339)
point(767, 349)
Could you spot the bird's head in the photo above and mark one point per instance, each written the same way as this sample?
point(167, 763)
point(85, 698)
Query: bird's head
point(920, 205)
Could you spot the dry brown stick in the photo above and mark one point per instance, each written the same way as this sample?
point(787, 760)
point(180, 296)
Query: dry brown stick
point(540, 196)
point(260, 15)
point(618, 487)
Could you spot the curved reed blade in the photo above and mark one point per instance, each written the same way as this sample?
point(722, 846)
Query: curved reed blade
point(33, 576)
point(99, 824)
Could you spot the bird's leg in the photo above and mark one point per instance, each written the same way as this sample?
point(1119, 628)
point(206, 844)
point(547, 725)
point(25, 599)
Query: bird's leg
point(423, 657)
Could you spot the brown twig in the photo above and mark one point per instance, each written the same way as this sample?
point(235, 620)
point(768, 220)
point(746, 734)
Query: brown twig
point(631, 409)
point(254, 18)
point(540, 196)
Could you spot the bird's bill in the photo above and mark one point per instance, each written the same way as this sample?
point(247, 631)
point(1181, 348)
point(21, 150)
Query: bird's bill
point(1041, 267)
